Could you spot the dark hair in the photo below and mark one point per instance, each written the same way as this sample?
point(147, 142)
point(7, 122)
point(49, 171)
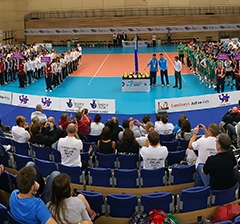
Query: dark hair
point(153, 137)
point(165, 118)
point(224, 141)
point(78, 116)
point(128, 138)
point(19, 120)
point(85, 111)
point(97, 118)
point(125, 124)
point(26, 179)
point(214, 128)
point(181, 119)
point(146, 118)
point(36, 128)
point(154, 54)
point(186, 127)
point(64, 117)
point(61, 189)
point(106, 133)
point(159, 117)
point(176, 57)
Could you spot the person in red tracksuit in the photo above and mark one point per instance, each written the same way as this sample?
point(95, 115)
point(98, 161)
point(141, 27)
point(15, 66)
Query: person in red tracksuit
point(1, 72)
point(220, 75)
point(48, 76)
point(21, 74)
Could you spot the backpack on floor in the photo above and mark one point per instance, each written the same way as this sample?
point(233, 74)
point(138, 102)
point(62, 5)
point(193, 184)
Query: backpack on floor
point(138, 218)
point(227, 212)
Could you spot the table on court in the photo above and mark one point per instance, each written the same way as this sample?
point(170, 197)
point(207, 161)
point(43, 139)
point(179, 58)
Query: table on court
point(135, 85)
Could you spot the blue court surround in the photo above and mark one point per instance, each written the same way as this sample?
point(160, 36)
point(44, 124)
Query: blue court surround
point(134, 104)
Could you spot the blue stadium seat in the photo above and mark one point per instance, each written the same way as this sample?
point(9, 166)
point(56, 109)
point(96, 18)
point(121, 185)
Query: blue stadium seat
point(95, 200)
point(171, 145)
point(86, 146)
point(121, 205)
point(100, 177)
point(56, 156)
point(21, 160)
point(6, 141)
point(22, 148)
point(225, 222)
point(168, 137)
point(3, 214)
point(44, 153)
point(160, 200)
point(106, 160)
point(5, 158)
point(175, 157)
point(75, 173)
point(194, 198)
point(13, 179)
point(85, 156)
point(5, 182)
point(221, 197)
point(12, 220)
point(45, 167)
point(128, 161)
point(152, 178)
point(93, 138)
point(182, 174)
point(183, 144)
point(126, 178)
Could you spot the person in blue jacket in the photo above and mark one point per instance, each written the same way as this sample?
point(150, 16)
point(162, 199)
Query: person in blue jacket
point(163, 66)
point(153, 63)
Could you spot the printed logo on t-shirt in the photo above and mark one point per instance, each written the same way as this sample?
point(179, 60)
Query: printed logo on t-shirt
point(155, 163)
point(211, 151)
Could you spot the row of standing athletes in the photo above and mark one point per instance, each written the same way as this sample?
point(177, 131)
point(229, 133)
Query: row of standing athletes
point(55, 72)
point(215, 72)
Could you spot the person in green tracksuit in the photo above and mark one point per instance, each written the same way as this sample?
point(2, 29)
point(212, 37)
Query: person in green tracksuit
point(181, 49)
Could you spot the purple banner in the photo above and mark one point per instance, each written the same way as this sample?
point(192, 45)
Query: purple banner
point(17, 55)
point(237, 57)
point(1, 56)
point(136, 54)
point(46, 59)
point(222, 56)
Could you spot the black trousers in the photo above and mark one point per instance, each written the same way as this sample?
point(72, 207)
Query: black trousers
point(164, 73)
point(178, 79)
point(21, 80)
point(153, 78)
point(237, 83)
point(220, 85)
point(181, 58)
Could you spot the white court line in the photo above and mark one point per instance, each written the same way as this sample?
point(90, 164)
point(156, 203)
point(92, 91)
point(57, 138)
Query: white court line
point(99, 68)
point(172, 63)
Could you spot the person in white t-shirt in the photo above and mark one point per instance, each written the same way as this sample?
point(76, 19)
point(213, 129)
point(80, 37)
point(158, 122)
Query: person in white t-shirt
point(70, 147)
point(20, 131)
point(38, 113)
point(206, 146)
point(166, 128)
point(96, 126)
point(152, 153)
point(147, 127)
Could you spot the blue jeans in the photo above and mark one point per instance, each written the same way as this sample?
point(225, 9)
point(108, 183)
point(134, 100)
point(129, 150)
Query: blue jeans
point(44, 191)
point(201, 179)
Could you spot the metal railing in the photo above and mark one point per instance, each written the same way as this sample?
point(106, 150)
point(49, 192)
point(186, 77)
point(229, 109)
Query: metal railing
point(157, 11)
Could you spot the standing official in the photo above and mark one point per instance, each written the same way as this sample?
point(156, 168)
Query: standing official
point(163, 66)
point(21, 74)
point(178, 69)
point(153, 63)
point(48, 76)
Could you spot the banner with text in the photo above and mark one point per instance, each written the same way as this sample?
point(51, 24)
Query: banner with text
point(93, 105)
point(5, 97)
point(27, 100)
point(196, 102)
point(133, 30)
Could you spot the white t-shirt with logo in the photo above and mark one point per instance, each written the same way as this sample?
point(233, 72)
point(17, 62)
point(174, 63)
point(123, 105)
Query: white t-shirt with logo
point(20, 134)
point(206, 147)
point(154, 157)
point(164, 129)
point(96, 128)
point(70, 148)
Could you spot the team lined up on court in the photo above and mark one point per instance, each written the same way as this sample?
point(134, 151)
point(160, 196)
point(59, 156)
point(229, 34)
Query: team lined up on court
point(27, 64)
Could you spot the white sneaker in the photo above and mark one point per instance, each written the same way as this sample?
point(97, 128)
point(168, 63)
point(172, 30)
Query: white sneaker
point(167, 85)
point(162, 85)
point(7, 147)
point(50, 91)
point(46, 90)
point(209, 86)
point(201, 82)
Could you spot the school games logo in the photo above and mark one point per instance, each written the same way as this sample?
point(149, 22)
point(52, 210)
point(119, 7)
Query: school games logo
point(69, 103)
point(98, 105)
point(46, 102)
point(23, 99)
point(224, 98)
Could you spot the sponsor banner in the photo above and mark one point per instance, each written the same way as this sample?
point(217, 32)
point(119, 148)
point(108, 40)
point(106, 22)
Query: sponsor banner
point(5, 97)
point(132, 30)
point(27, 100)
point(135, 85)
point(132, 43)
point(227, 40)
point(222, 56)
point(17, 55)
point(196, 102)
point(237, 57)
point(45, 59)
point(47, 45)
point(93, 105)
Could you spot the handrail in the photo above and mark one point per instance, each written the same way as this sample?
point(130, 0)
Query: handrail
point(123, 12)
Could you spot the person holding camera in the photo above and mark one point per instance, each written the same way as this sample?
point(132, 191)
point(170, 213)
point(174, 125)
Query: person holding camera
point(206, 146)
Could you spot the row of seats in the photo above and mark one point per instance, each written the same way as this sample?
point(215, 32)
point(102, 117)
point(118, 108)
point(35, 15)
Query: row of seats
point(6, 216)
